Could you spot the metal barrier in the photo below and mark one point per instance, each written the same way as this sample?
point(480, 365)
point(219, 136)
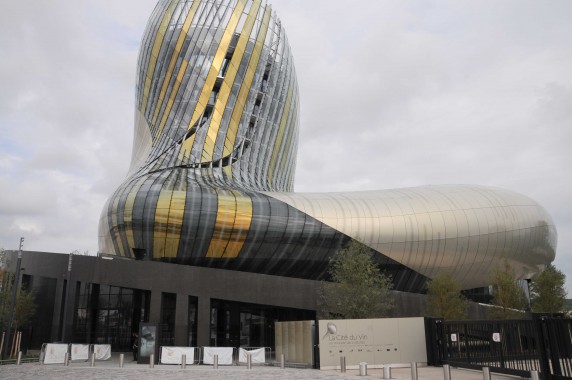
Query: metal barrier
point(173, 355)
point(225, 355)
point(257, 357)
point(56, 354)
point(513, 347)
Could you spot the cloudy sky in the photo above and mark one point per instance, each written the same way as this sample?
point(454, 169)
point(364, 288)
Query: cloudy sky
point(393, 94)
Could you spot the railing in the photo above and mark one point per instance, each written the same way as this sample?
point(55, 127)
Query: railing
point(514, 347)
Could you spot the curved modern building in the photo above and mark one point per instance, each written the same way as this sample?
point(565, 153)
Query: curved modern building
point(211, 177)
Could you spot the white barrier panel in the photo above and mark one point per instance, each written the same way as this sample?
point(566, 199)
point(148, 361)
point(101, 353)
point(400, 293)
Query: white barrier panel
point(257, 356)
point(173, 355)
point(55, 353)
point(102, 351)
point(79, 351)
point(224, 355)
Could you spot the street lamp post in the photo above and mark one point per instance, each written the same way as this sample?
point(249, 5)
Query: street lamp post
point(13, 303)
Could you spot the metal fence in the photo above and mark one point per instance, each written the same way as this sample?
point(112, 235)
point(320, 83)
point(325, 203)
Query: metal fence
point(513, 347)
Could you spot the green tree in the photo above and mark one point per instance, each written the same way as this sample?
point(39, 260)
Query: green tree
point(444, 298)
point(547, 293)
point(359, 289)
point(25, 300)
point(508, 297)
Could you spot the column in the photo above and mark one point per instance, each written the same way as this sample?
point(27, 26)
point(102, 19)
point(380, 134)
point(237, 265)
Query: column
point(182, 320)
point(203, 321)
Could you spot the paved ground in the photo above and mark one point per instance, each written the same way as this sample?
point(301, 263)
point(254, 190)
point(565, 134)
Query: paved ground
point(132, 371)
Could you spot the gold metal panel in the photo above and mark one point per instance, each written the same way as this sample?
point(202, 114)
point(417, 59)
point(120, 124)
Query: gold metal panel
point(241, 226)
point(168, 223)
point(155, 52)
point(224, 221)
point(233, 220)
point(229, 78)
point(213, 72)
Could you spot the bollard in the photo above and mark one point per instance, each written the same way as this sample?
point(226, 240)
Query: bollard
point(121, 360)
point(215, 362)
point(342, 364)
point(152, 361)
point(414, 371)
point(248, 361)
point(534, 375)
point(387, 371)
point(446, 372)
point(363, 369)
point(486, 373)
point(19, 361)
point(66, 359)
point(183, 361)
point(92, 363)
point(282, 361)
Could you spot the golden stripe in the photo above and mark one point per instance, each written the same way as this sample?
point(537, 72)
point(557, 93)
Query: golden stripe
point(213, 72)
point(280, 136)
point(168, 222)
point(241, 226)
point(175, 223)
point(224, 220)
point(155, 52)
point(238, 110)
point(169, 72)
point(224, 93)
point(234, 217)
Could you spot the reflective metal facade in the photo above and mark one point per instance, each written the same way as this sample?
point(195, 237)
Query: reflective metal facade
point(211, 175)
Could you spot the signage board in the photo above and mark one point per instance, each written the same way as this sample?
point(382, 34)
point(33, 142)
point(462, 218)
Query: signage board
point(374, 341)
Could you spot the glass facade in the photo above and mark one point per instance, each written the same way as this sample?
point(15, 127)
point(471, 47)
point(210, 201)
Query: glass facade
point(109, 314)
point(168, 311)
point(192, 322)
point(211, 177)
point(236, 324)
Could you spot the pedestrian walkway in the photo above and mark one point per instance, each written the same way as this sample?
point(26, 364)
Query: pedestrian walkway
point(132, 371)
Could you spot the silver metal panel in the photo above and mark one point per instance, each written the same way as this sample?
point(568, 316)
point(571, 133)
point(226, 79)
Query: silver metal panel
point(467, 230)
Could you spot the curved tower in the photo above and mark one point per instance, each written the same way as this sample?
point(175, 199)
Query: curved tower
point(211, 176)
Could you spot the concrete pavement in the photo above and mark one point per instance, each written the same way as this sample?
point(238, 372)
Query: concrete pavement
point(132, 371)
